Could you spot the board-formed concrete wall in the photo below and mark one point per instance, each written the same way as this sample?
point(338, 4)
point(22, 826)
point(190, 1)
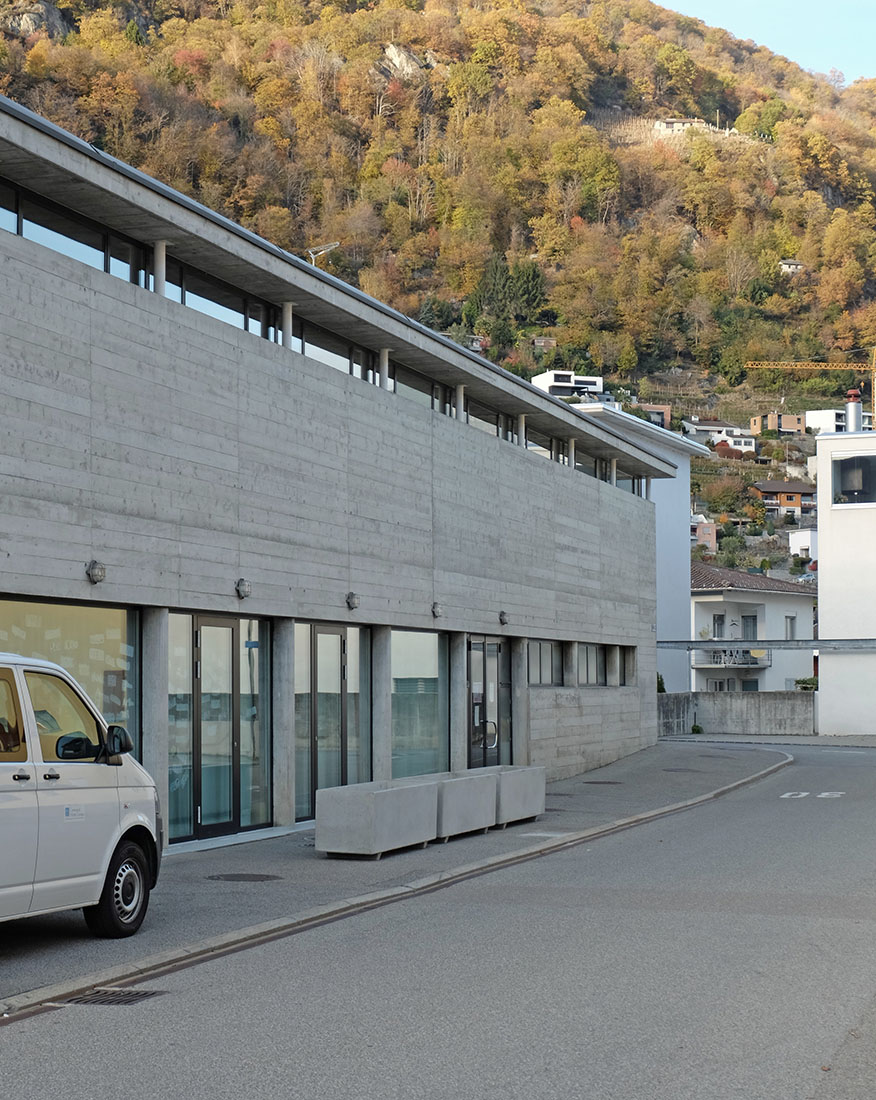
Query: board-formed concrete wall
point(184, 454)
point(760, 713)
point(580, 729)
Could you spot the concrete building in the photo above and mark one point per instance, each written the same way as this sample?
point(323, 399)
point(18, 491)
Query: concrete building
point(671, 499)
point(744, 608)
point(847, 587)
point(289, 537)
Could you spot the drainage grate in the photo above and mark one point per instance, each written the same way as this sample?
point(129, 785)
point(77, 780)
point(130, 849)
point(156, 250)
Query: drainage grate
point(603, 782)
point(244, 877)
point(697, 770)
point(108, 996)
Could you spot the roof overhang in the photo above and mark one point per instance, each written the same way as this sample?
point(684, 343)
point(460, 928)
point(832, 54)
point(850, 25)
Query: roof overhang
point(41, 157)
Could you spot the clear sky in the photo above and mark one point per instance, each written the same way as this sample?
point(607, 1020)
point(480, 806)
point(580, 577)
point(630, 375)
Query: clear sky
point(818, 35)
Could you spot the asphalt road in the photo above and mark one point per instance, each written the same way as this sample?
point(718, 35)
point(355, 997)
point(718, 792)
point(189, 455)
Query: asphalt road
point(727, 951)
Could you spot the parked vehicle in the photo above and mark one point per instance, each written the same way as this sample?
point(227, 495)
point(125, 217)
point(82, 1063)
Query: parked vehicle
point(79, 817)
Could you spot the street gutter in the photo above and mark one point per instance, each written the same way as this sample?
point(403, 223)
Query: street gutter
point(49, 997)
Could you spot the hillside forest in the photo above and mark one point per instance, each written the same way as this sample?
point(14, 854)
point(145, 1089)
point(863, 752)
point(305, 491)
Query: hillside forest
point(494, 167)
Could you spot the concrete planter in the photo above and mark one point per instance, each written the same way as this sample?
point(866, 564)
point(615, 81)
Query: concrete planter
point(466, 803)
point(520, 792)
point(372, 818)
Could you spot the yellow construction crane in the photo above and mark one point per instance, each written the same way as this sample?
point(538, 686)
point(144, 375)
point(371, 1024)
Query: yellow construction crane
point(808, 364)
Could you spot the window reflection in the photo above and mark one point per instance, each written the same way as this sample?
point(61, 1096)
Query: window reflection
point(255, 725)
point(420, 703)
point(213, 299)
point(180, 727)
point(327, 348)
point(8, 217)
point(96, 645)
point(62, 234)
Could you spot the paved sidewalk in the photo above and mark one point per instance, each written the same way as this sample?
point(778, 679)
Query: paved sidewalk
point(215, 900)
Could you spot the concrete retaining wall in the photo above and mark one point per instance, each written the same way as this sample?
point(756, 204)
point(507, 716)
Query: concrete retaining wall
point(786, 713)
point(573, 730)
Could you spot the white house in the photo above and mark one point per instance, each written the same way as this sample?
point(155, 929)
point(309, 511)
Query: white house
point(565, 383)
point(719, 431)
point(672, 513)
point(834, 420)
point(847, 583)
point(804, 543)
point(744, 609)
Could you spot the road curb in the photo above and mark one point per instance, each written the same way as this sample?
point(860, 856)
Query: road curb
point(225, 943)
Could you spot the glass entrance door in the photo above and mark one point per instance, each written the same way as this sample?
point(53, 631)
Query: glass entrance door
point(217, 718)
point(219, 726)
point(489, 676)
point(332, 710)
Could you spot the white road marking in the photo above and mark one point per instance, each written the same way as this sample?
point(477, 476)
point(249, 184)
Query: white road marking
point(805, 794)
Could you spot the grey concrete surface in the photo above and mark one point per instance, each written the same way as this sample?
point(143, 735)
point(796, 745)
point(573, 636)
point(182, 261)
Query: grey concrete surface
point(724, 953)
point(194, 904)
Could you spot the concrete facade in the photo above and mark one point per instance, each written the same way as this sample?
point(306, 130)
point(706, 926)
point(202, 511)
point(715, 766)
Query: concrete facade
point(780, 713)
point(846, 588)
point(186, 454)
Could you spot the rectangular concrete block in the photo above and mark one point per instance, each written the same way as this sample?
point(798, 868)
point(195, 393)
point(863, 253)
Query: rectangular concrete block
point(371, 818)
point(520, 792)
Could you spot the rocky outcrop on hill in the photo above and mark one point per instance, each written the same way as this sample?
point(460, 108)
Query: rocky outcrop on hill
point(23, 20)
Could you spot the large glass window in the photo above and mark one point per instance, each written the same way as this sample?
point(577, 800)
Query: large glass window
point(414, 386)
point(358, 705)
point(255, 724)
point(854, 480)
point(180, 727)
point(541, 444)
point(8, 216)
point(303, 714)
point(96, 645)
point(213, 298)
point(327, 348)
point(420, 703)
point(126, 261)
point(482, 417)
point(62, 234)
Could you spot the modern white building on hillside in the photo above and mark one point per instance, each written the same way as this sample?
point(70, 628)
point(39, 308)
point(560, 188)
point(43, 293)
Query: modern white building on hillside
point(741, 610)
point(847, 580)
point(719, 431)
point(834, 420)
point(672, 514)
point(565, 383)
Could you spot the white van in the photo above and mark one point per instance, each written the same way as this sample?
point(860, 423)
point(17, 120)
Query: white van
point(80, 825)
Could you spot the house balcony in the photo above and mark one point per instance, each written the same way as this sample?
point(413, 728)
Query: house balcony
point(732, 657)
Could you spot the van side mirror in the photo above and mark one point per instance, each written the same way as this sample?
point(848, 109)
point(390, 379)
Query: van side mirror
point(118, 741)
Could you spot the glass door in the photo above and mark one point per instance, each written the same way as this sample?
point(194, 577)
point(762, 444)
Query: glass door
point(330, 732)
point(332, 710)
point(489, 675)
point(217, 719)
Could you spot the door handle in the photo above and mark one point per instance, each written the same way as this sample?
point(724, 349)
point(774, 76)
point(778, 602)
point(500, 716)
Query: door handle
point(22, 776)
point(51, 775)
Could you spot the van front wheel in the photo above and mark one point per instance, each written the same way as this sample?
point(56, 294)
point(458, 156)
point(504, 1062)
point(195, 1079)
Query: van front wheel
point(125, 896)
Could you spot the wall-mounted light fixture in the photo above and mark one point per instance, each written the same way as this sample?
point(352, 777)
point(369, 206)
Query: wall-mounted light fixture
point(243, 588)
point(503, 618)
point(95, 571)
point(352, 600)
point(437, 610)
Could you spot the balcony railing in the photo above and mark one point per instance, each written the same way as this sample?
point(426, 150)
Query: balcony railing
point(732, 657)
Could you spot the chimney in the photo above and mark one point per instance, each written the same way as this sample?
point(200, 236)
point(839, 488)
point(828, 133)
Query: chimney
point(854, 412)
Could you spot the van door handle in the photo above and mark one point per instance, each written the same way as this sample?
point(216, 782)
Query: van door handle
point(21, 776)
point(51, 775)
